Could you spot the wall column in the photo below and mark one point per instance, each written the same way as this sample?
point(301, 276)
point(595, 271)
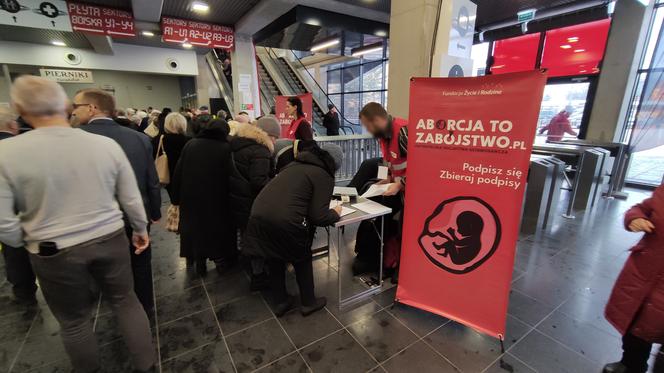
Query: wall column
point(624, 48)
point(246, 96)
point(413, 26)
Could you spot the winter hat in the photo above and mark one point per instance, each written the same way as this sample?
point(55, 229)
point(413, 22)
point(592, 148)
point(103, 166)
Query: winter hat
point(336, 152)
point(270, 125)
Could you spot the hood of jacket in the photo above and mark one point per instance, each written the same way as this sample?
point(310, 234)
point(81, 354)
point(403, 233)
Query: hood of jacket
point(215, 130)
point(247, 135)
point(317, 157)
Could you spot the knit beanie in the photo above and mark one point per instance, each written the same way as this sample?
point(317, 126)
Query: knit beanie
point(270, 125)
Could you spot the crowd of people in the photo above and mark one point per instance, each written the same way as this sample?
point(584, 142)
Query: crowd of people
point(80, 187)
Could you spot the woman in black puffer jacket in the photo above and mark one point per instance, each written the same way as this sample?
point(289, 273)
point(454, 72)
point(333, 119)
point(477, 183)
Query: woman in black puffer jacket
point(284, 219)
point(252, 149)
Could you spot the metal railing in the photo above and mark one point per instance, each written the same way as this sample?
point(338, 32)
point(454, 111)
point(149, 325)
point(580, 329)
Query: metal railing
point(356, 149)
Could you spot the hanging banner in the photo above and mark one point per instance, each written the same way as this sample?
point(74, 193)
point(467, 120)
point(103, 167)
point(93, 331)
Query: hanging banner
point(469, 149)
point(201, 34)
point(284, 119)
point(50, 15)
point(101, 20)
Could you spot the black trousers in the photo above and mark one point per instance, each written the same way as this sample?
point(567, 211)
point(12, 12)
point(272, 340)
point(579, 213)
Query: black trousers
point(141, 267)
point(304, 274)
point(636, 353)
point(19, 271)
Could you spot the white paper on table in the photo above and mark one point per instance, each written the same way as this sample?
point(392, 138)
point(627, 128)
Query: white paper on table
point(371, 207)
point(376, 190)
point(345, 191)
point(344, 210)
point(382, 172)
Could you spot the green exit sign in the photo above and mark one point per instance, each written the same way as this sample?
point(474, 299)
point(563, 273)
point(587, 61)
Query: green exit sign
point(526, 15)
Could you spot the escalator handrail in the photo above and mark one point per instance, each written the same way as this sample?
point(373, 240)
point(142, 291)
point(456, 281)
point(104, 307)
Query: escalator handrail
point(327, 97)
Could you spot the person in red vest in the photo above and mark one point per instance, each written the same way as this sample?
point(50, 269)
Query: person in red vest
point(392, 134)
point(559, 125)
point(299, 128)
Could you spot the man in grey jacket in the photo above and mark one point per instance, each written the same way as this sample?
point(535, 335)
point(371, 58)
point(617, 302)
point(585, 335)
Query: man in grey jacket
point(93, 109)
point(62, 202)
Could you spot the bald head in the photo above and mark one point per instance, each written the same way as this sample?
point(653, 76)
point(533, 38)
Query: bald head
point(92, 103)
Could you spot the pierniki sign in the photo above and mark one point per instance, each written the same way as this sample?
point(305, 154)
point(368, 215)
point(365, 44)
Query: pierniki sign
point(469, 147)
point(67, 76)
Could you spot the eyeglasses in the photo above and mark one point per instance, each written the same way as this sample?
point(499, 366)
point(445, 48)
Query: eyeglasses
point(76, 106)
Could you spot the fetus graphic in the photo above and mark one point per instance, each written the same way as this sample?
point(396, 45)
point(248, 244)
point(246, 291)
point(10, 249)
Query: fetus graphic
point(461, 234)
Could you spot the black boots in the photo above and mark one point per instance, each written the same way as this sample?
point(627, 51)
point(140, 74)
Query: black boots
point(259, 282)
point(282, 308)
point(318, 305)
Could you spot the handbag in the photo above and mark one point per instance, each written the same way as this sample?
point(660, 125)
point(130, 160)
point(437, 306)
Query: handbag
point(152, 130)
point(161, 164)
point(173, 218)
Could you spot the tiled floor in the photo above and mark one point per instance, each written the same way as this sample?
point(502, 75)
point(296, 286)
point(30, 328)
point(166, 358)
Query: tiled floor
point(562, 279)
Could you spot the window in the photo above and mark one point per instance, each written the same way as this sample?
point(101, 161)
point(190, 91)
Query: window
point(479, 53)
point(644, 130)
point(515, 54)
point(354, 83)
point(575, 50)
point(559, 97)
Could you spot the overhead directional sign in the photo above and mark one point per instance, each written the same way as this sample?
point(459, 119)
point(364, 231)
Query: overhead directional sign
point(50, 15)
point(200, 34)
point(101, 20)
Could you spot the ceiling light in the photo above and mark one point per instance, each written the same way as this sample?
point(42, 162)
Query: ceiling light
point(147, 33)
point(187, 45)
point(579, 50)
point(361, 51)
point(324, 44)
point(573, 39)
point(59, 43)
point(565, 46)
point(381, 33)
point(313, 22)
point(200, 6)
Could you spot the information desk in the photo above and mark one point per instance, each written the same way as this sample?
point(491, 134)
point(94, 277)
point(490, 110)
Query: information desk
point(378, 212)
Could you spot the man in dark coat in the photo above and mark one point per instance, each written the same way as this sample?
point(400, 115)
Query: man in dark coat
point(331, 121)
point(200, 187)
point(283, 221)
point(92, 111)
point(636, 305)
point(17, 261)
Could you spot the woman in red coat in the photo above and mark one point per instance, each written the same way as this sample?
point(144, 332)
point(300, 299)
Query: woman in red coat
point(299, 128)
point(636, 305)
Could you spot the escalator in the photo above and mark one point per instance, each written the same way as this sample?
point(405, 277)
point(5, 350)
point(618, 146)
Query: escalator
point(297, 87)
point(225, 101)
point(268, 88)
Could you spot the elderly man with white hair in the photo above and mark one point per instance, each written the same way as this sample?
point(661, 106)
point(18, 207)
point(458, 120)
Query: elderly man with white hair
point(62, 202)
point(17, 263)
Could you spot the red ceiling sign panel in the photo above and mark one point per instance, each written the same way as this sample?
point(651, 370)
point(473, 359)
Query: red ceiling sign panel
point(575, 50)
point(101, 20)
point(515, 54)
point(201, 34)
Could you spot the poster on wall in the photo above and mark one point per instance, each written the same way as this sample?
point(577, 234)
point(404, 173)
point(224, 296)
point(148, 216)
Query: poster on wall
point(470, 141)
point(101, 20)
point(284, 119)
point(463, 28)
point(201, 34)
point(67, 76)
point(50, 15)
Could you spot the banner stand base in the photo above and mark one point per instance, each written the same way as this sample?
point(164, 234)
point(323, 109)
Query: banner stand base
point(502, 345)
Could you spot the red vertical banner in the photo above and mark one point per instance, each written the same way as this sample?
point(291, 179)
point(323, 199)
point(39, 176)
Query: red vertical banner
point(469, 147)
point(284, 119)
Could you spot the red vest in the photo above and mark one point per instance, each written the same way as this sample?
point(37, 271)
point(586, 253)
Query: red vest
point(292, 129)
point(390, 148)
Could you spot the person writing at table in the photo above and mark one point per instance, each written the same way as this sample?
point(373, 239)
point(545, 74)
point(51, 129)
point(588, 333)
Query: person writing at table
point(283, 221)
point(299, 128)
